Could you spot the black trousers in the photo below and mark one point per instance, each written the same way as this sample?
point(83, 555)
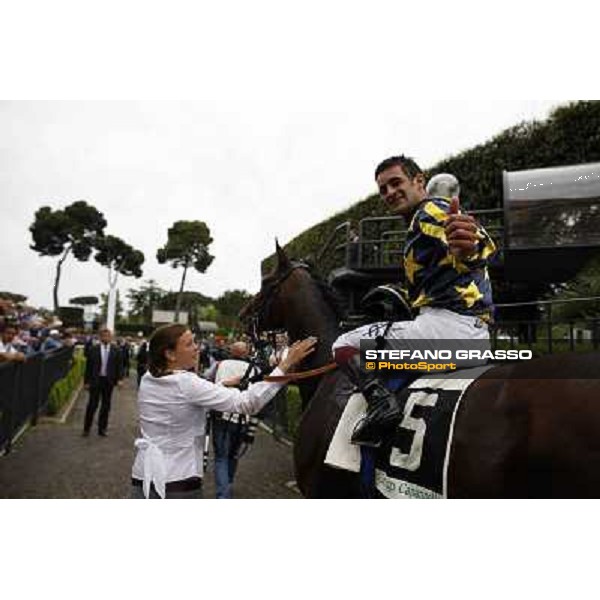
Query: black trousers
point(99, 394)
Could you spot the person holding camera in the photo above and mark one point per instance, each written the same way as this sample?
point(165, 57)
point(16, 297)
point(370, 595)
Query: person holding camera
point(230, 430)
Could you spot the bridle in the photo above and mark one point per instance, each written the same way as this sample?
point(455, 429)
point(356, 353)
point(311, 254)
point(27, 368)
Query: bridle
point(260, 310)
point(264, 300)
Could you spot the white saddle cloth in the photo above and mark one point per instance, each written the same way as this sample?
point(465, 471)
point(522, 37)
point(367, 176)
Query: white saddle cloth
point(341, 453)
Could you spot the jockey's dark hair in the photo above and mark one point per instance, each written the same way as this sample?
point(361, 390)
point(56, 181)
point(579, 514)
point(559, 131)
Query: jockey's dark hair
point(409, 166)
point(164, 338)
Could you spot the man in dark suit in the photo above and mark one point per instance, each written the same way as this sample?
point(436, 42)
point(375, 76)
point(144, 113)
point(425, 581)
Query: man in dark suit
point(103, 370)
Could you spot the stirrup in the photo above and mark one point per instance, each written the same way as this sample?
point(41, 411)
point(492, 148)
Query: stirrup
point(359, 438)
point(379, 420)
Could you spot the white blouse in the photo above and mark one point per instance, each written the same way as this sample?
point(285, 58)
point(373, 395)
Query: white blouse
point(172, 413)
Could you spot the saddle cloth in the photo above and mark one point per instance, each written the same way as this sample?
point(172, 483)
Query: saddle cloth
point(414, 463)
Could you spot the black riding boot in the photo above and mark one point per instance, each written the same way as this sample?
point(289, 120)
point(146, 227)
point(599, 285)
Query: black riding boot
point(383, 410)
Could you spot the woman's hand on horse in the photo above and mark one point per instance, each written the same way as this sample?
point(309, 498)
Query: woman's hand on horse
point(297, 352)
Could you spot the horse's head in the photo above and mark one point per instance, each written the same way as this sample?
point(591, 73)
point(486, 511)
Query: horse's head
point(293, 298)
point(265, 312)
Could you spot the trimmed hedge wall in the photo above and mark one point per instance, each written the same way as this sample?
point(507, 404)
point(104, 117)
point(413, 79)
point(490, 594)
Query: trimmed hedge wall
point(570, 135)
point(62, 390)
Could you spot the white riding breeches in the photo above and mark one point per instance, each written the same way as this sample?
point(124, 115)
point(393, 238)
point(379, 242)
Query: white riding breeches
point(431, 324)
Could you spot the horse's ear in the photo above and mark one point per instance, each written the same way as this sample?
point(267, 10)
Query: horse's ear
point(283, 262)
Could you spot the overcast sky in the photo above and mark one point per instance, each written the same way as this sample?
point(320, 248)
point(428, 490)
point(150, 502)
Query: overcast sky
point(250, 175)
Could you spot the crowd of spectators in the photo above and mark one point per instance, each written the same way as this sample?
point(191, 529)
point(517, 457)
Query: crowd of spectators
point(26, 331)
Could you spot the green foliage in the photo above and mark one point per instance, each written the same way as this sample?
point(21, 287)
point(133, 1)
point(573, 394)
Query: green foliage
point(208, 312)
point(231, 302)
point(62, 390)
point(12, 297)
point(71, 316)
point(190, 301)
point(84, 300)
point(144, 300)
point(294, 410)
point(585, 284)
point(229, 305)
point(118, 256)
point(187, 246)
point(223, 309)
point(58, 232)
point(76, 228)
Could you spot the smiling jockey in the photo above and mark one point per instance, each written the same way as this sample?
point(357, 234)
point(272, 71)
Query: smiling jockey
point(445, 267)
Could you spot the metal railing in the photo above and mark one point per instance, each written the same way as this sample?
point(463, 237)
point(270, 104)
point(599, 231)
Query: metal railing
point(549, 334)
point(381, 239)
point(378, 242)
point(25, 390)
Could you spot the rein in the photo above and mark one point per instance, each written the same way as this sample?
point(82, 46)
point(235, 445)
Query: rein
point(302, 374)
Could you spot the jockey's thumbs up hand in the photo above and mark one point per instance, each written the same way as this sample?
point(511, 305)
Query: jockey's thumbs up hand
point(461, 231)
point(455, 206)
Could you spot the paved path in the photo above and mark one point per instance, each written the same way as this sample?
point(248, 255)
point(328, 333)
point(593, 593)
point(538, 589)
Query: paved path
point(52, 460)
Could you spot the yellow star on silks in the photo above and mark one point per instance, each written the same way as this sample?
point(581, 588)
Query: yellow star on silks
point(488, 249)
point(411, 266)
point(453, 262)
point(422, 300)
point(469, 294)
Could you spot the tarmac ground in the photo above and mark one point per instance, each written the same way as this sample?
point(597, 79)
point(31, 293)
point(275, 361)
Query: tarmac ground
point(53, 460)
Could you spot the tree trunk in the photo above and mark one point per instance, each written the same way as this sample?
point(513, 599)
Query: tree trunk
point(178, 303)
point(57, 278)
point(111, 301)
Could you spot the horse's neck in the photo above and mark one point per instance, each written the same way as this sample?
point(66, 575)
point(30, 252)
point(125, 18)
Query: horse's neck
point(323, 325)
point(310, 315)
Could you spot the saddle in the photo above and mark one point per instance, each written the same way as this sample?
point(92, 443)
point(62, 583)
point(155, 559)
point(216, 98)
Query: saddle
point(387, 302)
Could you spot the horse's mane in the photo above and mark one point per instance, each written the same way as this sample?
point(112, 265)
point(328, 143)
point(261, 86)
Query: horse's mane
point(330, 296)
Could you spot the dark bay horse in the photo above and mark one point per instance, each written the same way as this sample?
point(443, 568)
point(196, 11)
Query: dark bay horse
point(533, 436)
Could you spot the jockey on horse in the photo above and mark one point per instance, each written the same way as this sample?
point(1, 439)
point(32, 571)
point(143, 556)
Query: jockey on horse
point(445, 268)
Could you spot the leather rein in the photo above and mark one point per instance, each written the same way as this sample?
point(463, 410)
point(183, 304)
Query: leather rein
point(302, 374)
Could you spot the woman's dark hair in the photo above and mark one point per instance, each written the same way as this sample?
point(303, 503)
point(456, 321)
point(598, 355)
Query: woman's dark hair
point(163, 339)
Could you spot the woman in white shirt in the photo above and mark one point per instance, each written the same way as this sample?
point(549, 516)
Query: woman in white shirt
point(173, 403)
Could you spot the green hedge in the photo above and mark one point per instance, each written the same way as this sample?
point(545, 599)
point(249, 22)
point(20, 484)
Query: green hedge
point(570, 135)
point(294, 410)
point(62, 390)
